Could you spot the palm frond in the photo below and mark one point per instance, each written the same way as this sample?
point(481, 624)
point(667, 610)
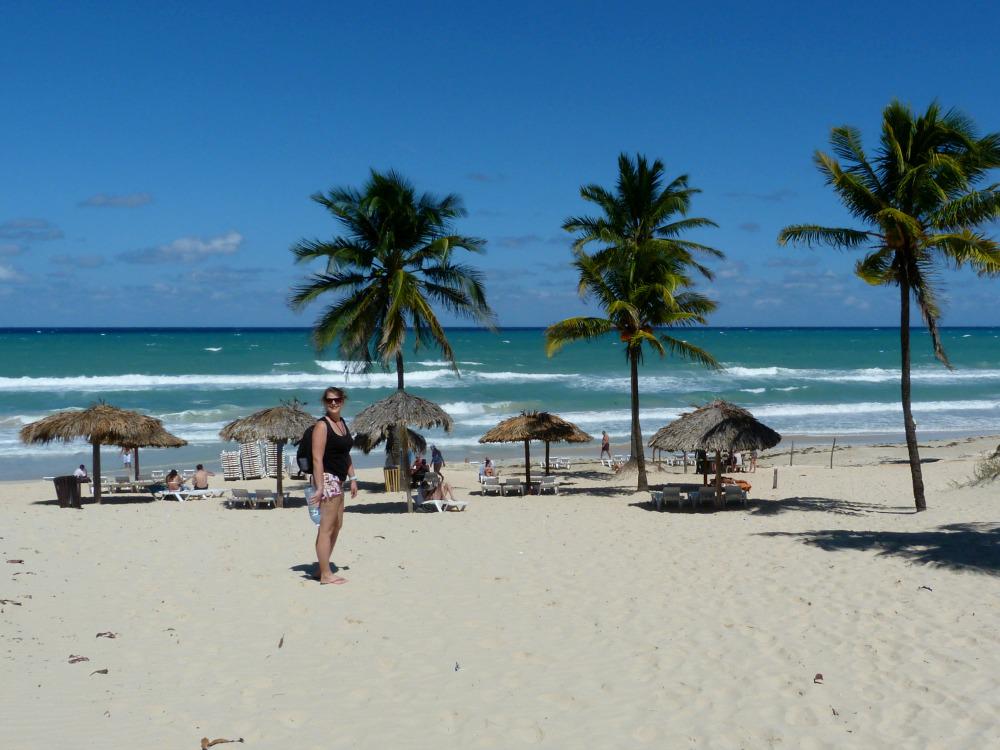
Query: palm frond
point(813, 235)
point(574, 329)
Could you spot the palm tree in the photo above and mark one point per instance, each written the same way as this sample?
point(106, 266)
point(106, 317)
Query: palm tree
point(640, 275)
point(386, 272)
point(918, 202)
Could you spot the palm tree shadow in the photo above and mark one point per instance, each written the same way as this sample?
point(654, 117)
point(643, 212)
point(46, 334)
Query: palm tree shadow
point(960, 546)
point(825, 505)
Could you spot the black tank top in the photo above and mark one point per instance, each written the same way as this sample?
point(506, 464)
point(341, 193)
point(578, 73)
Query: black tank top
point(337, 455)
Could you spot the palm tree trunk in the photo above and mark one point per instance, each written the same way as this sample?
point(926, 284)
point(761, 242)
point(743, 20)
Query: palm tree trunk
point(909, 425)
point(399, 370)
point(637, 454)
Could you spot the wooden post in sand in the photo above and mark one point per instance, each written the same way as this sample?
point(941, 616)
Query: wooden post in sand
point(774, 485)
point(832, 449)
point(791, 454)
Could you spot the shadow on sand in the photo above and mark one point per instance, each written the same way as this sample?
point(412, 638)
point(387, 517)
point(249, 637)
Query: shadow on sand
point(136, 499)
point(961, 546)
point(826, 505)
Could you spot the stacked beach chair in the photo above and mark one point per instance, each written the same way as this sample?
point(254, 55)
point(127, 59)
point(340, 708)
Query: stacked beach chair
point(250, 462)
point(231, 465)
point(271, 465)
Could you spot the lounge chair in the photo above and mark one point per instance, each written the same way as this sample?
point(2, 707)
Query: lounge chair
point(264, 497)
point(670, 493)
point(511, 485)
point(704, 494)
point(239, 498)
point(734, 493)
point(548, 484)
point(491, 486)
point(156, 474)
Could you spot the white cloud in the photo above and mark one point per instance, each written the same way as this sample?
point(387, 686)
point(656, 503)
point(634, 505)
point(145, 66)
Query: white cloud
point(186, 250)
point(30, 230)
point(9, 274)
point(105, 200)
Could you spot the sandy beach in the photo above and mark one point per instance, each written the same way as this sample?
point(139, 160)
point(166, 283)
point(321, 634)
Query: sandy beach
point(825, 615)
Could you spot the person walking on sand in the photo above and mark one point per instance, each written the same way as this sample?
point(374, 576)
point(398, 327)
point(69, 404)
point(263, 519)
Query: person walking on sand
point(332, 466)
point(605, 444)
point(437, 460)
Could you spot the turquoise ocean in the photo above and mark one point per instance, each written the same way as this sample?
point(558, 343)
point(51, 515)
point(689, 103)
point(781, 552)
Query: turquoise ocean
point(811, 383)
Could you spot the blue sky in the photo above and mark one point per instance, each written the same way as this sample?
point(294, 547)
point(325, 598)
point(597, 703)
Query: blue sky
point(158, 159)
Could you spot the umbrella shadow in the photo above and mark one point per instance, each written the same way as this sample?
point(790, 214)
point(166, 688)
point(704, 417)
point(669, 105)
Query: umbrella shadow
point(106, 500)
point(960, 546)
point(827, 505)
point(388, 506)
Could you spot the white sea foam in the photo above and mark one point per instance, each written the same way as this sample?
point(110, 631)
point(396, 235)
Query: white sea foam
point(752, 390)
point(138, 382)
point(213, 348)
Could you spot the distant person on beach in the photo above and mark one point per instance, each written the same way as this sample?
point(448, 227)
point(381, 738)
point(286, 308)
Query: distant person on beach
point(174, 481)
point(488, 469)
point(81, 474)
point(753, 460)
point(127, 460)
point(200, 479)
point(605, 444)
point(332, 467)
point(437, 460)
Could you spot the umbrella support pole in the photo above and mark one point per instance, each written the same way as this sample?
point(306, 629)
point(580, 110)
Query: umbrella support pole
point(527, 465)
point(547, 465)
point(718, 477)
point(96, 463)
point(135, 464)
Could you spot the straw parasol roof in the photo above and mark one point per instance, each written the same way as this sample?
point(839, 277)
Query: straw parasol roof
point(414, 440)
point(535, 425)
point(717, 426)
point(277, 424)
point(101, 424)
point(375, 423)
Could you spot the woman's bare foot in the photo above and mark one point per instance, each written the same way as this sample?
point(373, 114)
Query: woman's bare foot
point(332, 579)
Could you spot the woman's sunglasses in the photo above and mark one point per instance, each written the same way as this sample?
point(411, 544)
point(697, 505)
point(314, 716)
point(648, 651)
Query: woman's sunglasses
point(334, 400)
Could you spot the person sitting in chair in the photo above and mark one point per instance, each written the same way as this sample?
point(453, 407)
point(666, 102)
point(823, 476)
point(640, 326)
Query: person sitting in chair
point(489, 470)
point(441, 491)
point(200, 479)
point(174, 481)
point(418, 471)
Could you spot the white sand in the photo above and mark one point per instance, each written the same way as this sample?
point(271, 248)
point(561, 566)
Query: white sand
point(582, 620)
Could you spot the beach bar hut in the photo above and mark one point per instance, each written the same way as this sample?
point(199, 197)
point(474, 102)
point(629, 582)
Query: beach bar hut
point(279, 425)
point(392, 416)
point(715, 427)
point(535, 425)
point(101, 424)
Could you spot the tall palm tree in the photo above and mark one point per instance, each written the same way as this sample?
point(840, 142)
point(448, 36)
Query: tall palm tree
point(918, 201)
point(393, 263)
point(640, 276)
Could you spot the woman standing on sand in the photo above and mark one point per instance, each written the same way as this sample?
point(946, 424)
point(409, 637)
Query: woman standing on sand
point(332, 466)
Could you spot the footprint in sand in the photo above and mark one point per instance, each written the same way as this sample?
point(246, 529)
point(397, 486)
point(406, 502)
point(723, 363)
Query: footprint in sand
point(293, 719)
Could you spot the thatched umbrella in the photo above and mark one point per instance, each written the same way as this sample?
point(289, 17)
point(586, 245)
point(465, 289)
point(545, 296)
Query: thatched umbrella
point(278, 424)
point(158, 437)
point(393, 415)
point(717, 426)
point(100, 424)
point(535, 425)
point(368, 443)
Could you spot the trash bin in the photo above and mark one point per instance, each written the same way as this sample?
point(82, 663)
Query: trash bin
point(68, 491)
point(391, 478)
